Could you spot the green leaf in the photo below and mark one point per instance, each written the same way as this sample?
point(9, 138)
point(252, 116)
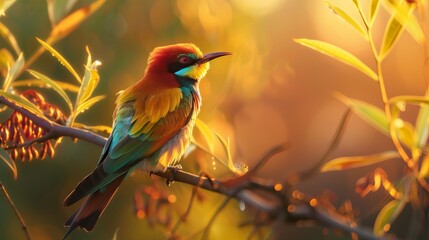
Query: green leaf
point(54, 86)
point(347, 18)
point(10, 38)
point(358, 161)
point(369, 113)
point(4, 156)
point(13, 72)
point(90, 80)
point(88, 104)
point(40, 83)
point(339, 54)
point(60, 58)
point(23, 103)
point(73, 20)
point(4, 5)
point(387, 215)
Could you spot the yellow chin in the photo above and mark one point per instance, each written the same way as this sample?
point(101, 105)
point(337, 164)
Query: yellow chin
point(196, 72)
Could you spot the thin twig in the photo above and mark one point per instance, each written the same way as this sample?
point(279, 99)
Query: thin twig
point(246, 193)
point(332, 146)
point(15, 209)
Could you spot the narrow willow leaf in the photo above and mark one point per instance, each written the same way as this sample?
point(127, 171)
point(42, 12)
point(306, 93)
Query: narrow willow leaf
point(88, 104)
point(417, 100)
point(422, 124)
point(424, 169)
point(391, 35)
point(373, 10)
point(23, 103)
point(402, 11)
point(387, 215)
point(13, 72)
point(339, 54)
point(69, 23)
point(347, 18)
point(358, 161)
point(4, 156)
point(60, 58)
point(228, 162)
point(406, 133)
point(97, 128)
point(6, 59)
point(115, 236)
point(54, 86)
point(10, 38)
point(4, 5)
point(369, 113)
point(208, 134)
point(42, 84)
point(90, 80)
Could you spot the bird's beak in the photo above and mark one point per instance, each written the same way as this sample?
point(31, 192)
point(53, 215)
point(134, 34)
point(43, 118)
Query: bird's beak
point(211, 56)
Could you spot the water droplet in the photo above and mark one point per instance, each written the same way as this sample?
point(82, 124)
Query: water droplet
point(242, 206)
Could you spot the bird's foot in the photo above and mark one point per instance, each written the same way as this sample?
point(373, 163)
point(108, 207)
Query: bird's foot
point(173, 169)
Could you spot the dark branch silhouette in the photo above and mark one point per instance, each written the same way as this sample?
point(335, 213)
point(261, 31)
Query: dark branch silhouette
point(262, 194)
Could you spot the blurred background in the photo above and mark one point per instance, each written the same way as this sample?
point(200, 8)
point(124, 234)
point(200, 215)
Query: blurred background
point(269, 92)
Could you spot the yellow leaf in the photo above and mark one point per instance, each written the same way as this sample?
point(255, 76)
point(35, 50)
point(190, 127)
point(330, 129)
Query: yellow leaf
point(14, 71)
point(97, 128)
point(61, 59)
point(69, 23)
point(4, 156)
point(54, 86)
point(424, 170)
point(387, 215)
point(373, 10)
point(402, 11)
point(347, 18)
point(90, 80)
point(339, 54)
point(206, 133)
point(6, 59)
point(369, 113)
point(4, 5)
point(88, 104)
point(40, 83)
point(358, 161)
point(23, 103)
point(10, 38)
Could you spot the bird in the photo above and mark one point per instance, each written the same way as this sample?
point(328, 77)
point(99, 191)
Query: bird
point(152, 126)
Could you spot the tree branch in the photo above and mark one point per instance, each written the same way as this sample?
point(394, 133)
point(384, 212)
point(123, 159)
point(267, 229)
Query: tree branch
point(261, 194)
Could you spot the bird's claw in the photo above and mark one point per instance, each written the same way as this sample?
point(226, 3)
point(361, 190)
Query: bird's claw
point(173, 169)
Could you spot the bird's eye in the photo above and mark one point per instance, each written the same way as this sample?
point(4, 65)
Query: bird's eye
point(183, 59)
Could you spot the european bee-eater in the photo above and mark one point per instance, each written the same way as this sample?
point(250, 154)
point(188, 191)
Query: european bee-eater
point(152, 126)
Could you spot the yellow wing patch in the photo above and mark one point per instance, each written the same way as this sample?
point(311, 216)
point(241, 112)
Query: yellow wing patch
point(150, 109)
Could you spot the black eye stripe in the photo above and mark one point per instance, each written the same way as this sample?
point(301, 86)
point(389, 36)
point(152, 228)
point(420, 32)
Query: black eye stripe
point(178, 64)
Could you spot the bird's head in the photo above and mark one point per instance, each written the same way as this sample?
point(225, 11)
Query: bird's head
point(182, 60)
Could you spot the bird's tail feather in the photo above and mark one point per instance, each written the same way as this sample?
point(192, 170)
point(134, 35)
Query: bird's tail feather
point(87, 215)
